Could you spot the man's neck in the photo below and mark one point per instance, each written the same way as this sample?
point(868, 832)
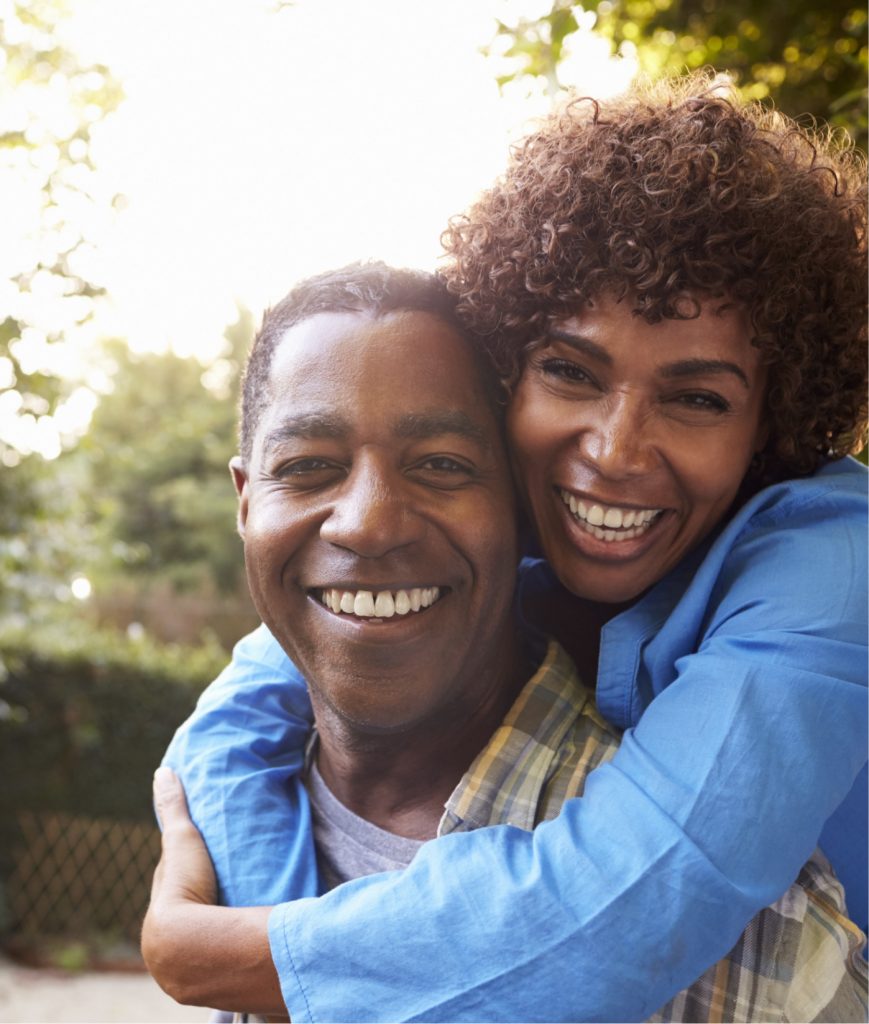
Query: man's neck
point(401, 780)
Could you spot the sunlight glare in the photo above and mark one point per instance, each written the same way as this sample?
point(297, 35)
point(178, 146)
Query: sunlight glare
point(254, 148)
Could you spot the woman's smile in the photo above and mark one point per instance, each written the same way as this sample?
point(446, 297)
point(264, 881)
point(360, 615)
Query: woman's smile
point(630, 439)
point(610, 523)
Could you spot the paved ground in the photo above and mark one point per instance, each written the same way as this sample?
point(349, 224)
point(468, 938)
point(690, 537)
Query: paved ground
point(31, 996)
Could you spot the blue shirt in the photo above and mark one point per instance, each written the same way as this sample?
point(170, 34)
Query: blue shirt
point(740, 682)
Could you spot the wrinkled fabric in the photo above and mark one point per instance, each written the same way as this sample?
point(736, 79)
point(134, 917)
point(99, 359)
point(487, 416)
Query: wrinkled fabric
point(740, 682)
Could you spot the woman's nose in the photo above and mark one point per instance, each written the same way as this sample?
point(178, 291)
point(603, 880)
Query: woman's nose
point(618, 439)
point(373, 514)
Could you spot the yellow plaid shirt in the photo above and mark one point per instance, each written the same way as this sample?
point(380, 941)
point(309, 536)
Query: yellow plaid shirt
point(798, 960)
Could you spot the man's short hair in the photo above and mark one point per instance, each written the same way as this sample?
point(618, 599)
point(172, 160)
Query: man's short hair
point(372, 288)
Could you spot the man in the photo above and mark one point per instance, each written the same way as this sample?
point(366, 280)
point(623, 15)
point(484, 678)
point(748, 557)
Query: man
point(379, 530)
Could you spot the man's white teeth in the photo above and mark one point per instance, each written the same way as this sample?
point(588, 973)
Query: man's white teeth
point(618, 524)
point(366, 604)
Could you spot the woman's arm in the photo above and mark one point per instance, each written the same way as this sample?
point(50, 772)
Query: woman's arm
point(704, 816)
point(236, 756)
point(201, 954)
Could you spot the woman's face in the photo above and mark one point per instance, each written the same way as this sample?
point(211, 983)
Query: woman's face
point(631, 439)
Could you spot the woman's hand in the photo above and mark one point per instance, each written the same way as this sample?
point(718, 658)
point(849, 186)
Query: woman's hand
point(199, 953)
point(185, 872)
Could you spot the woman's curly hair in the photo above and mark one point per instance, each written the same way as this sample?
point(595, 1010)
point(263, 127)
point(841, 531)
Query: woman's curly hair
point(678, 189)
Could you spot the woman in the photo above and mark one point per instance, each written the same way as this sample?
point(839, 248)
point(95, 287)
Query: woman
point(673, 287)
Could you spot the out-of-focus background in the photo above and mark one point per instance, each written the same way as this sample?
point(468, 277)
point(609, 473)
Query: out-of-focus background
point(168, 168)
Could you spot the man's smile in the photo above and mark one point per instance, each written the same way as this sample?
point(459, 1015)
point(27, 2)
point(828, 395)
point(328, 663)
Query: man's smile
point(380, 604)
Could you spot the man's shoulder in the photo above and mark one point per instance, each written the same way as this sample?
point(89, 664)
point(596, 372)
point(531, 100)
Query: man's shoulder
point(550, 739)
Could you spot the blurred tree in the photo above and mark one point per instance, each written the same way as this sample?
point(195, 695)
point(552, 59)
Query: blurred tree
point(155, 460)
point(50, 103)
point(806, 56)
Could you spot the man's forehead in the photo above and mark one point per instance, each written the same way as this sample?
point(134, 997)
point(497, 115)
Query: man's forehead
point(408, 373)
point(332, 422)
point(350, 334)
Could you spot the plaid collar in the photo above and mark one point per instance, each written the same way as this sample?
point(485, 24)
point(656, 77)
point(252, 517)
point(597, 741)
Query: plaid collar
point(505, 783)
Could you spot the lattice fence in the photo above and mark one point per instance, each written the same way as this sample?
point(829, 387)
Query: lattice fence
point(74, 875)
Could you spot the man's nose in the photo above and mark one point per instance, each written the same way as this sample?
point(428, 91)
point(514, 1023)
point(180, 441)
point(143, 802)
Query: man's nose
point(619, 438)
point(373, 514)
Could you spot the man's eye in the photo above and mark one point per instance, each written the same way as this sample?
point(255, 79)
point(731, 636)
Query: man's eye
point(444, 464)
point(304, 467)
point(443, 471)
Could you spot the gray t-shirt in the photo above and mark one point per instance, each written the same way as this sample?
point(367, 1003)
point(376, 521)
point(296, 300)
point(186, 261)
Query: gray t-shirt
point(349, 846)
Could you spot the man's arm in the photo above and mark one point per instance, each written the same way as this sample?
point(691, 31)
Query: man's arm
point(201, 954)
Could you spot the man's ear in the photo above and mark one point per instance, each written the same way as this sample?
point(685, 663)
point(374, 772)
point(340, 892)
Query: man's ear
point(239, 478)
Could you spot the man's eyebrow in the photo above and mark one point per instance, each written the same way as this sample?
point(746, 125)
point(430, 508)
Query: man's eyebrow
point(422, 425)
point(581, 344)
point(699, 367)
point(307, 425)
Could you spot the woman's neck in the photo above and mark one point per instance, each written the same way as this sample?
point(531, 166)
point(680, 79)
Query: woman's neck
point(576, 623)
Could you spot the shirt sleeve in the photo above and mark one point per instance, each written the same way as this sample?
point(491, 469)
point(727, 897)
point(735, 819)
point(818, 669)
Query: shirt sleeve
point(238, 756)
point(704, 816)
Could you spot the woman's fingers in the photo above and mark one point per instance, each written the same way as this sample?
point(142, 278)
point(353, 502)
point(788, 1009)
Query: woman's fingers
point(169, 798)
point(185, 872)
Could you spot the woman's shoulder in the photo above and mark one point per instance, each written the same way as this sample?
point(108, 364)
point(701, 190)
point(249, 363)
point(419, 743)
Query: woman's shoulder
point(828, 508)
point(841, 483)
point(800, 544)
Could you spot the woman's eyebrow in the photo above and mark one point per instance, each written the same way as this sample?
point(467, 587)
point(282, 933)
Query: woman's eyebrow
point(699, 367)
point(682, 368)
point(422, 425)
point(581, 344)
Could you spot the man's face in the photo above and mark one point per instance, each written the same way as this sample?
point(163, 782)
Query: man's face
point(378, 519)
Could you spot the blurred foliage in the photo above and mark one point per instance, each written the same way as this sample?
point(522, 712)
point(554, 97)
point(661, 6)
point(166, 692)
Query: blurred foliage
point(156, 459)
point(145, 499)
point(43, 540)
point(146, 496)
point(85, 717)
point(807, 57)
point(51, 103)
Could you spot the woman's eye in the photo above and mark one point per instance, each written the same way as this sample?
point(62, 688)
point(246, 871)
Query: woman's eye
point(704, 401)
point(564, 369)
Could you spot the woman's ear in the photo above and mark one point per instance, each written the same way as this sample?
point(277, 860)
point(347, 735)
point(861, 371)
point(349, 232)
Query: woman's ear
point(239, 478)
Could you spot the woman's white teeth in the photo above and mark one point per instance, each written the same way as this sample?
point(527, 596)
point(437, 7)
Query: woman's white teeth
point(610, 524)
point(366, 604)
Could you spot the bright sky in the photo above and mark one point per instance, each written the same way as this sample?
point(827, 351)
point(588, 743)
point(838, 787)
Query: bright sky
point(255, 148)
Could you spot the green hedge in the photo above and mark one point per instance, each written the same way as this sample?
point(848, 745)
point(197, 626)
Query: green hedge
point(85, 718)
